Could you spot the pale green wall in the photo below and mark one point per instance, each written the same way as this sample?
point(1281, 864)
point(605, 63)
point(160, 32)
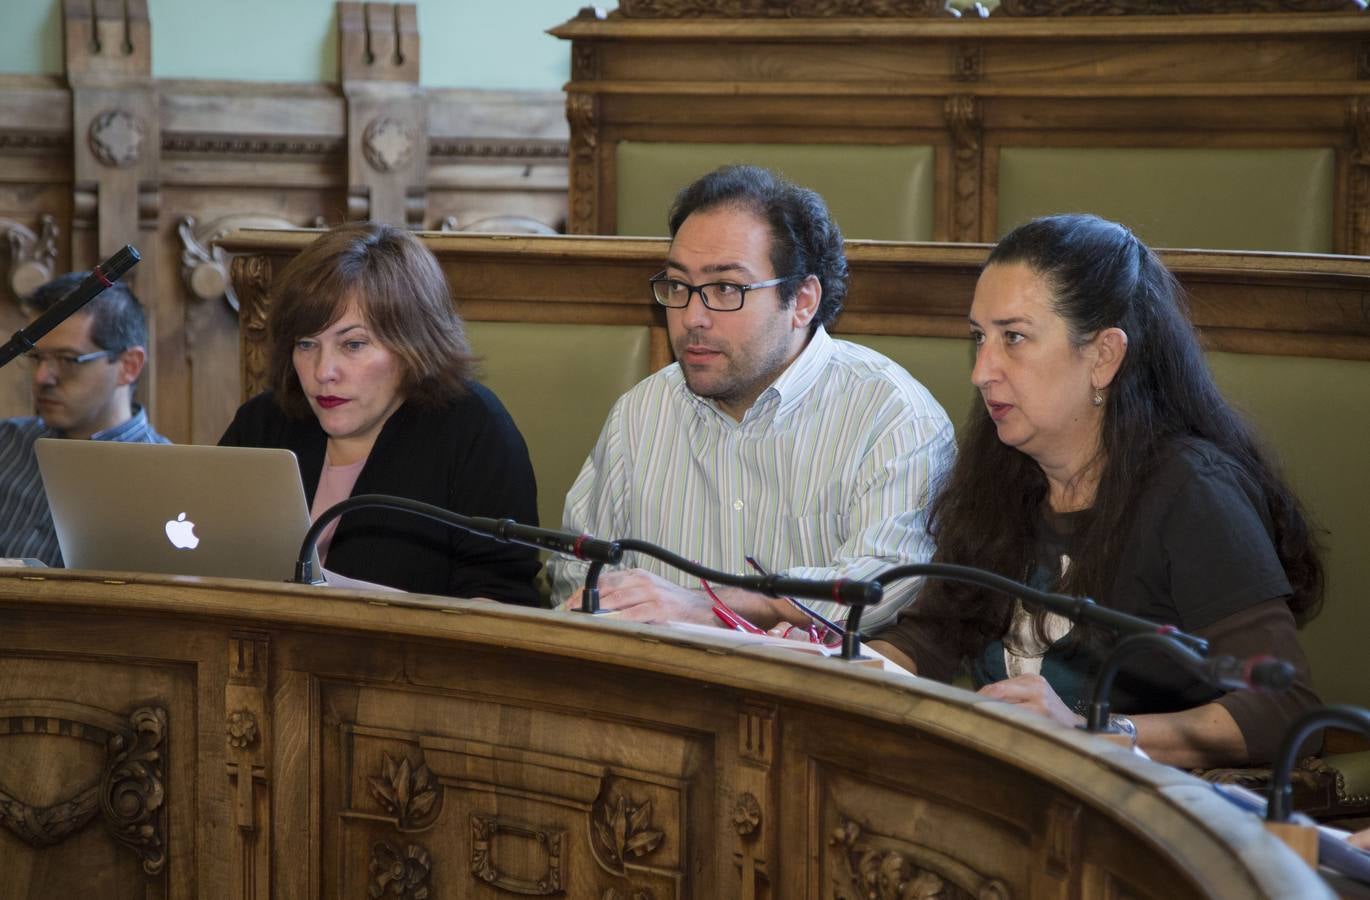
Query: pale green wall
point(464, 43)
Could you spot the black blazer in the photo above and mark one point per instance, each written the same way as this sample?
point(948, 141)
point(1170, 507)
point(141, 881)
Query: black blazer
point(468, 457)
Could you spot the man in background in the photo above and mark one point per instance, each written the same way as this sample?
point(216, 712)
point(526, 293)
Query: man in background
point(84, 373)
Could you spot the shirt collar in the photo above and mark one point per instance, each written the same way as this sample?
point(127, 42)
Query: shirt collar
point(134, 425)
point(802, 374)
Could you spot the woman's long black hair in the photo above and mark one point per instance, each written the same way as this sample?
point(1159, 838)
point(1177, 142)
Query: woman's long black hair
point(986, 512)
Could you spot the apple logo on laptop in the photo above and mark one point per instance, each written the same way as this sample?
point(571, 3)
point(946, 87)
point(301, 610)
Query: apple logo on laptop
point(181, 533)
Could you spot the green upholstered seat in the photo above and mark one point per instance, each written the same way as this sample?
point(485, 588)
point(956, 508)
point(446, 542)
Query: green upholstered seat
point(558, 382)
point(1226, 199)
point(874, 192)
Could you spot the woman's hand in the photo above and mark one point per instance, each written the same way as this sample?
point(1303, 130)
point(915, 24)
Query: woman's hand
point(1034, 693)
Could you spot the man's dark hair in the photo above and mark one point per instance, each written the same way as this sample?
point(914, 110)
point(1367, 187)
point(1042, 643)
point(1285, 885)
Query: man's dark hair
point(117, 321)
point(804, 238)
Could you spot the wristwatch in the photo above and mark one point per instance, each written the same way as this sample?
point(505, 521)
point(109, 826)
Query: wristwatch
point(1123, 725)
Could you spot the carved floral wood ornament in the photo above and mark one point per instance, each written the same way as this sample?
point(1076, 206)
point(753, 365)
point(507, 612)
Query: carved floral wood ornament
point(400, 874)
point(129, 794)
point(407, 793)
point(875, 867)
point(621, 830)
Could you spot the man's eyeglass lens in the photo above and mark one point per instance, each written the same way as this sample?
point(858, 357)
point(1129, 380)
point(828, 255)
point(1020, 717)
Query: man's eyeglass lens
point(66, 363)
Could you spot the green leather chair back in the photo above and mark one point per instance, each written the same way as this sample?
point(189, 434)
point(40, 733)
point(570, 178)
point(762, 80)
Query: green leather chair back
point(1315, 415)
point(558, 382)
point(1216, 198)
point(873, 192)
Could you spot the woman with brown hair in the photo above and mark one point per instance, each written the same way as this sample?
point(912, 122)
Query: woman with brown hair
point(372, 391)
point(1103, 461)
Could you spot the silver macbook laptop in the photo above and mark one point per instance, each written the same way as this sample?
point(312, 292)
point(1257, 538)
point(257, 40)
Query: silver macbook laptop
point(175, 509)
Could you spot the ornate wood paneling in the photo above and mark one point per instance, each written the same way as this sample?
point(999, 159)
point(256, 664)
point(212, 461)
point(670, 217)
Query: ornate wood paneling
point(1036, 73)
point(256, 739)
point(108, 155)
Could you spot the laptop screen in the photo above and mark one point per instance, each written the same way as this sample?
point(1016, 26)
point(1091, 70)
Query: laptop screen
point(176, 509)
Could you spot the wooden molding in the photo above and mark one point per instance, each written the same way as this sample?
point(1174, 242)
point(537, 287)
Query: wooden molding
point(1169, 7)
point(786, 9)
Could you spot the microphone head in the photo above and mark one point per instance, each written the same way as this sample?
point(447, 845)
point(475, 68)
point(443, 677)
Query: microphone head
point(1266, 673)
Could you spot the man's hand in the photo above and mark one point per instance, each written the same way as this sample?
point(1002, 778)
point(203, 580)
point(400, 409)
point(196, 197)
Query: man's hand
point(1033, 692)
point(640, 596)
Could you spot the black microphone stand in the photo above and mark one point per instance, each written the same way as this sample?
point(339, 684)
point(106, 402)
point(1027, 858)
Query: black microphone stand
point(1076, 609)
point(1280, 801)
point(101, 277)
point(1275, 674)
point(504, 530)
point(856, 594)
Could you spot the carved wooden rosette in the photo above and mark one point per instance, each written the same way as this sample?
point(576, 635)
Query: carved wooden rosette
point(33, 257)
point(749, 9)
point(130, 794)
point(251, 278)
point(1358, 216)
point(878, 867)
point(962, 113)
point(1167, 7)
point(400, 874)
point(582, 112)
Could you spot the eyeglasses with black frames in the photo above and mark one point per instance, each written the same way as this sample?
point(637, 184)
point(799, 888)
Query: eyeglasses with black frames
point(66, 364)
point(720, 296)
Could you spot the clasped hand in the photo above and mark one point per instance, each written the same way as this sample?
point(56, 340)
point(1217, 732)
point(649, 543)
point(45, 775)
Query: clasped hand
point(1034, 693)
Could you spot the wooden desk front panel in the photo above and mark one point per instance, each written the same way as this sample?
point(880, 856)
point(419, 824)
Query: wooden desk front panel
point(253, 740)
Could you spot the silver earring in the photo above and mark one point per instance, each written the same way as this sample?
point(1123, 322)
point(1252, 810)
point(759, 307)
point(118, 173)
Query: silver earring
point(1098, 398)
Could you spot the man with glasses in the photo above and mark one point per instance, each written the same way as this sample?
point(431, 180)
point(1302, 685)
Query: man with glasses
point(84, 372)
point(767, 440)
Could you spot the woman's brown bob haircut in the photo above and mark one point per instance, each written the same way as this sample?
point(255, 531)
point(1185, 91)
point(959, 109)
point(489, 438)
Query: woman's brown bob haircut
point(400, 290)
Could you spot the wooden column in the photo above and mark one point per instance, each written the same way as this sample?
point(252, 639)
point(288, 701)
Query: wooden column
point(116, 141)
point(387, 116)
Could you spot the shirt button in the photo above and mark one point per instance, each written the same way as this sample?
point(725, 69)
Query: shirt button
point(737, 504)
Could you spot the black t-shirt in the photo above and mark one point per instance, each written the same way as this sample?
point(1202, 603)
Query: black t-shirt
point(1200, 550)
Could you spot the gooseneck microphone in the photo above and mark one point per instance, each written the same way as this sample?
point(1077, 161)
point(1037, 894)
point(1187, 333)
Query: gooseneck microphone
point(101, 277)
point(1227, 673)
point(1081, 610)
point(504, 530)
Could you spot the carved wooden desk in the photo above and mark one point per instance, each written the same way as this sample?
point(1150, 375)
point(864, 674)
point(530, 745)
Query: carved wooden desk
point(164, 737)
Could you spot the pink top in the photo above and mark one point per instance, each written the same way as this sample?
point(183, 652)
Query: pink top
point(335, 486)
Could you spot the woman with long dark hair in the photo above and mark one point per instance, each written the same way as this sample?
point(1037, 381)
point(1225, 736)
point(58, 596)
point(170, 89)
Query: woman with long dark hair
point(1104, 462)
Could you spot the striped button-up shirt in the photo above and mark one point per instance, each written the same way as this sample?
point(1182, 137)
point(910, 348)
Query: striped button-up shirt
point(828, 475)
point(25, 524)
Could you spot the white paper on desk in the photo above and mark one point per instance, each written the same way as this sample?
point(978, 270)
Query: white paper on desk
point(333, 579)
point(872, 659)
